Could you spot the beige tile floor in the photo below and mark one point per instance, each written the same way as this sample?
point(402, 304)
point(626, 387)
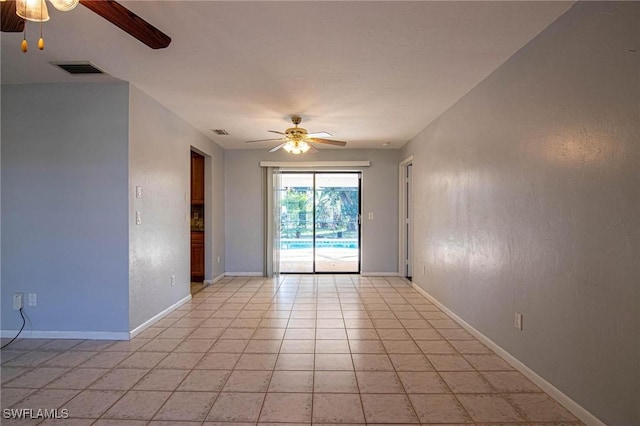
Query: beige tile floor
point(325, 349)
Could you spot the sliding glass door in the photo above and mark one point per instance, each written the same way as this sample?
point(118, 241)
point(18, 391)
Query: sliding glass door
point(320, 222)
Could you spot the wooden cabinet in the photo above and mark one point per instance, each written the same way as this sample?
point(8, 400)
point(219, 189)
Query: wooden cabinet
point(197, 256)
point(197, 178)
point(197, 217)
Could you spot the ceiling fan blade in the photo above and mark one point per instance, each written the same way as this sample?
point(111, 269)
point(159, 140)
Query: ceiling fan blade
point(11, 23)
point(328, 142)
point(265, 140)
point(275, 131)
point(129, 22)
point(319, 135)
point(312, 149)
point(275, 148)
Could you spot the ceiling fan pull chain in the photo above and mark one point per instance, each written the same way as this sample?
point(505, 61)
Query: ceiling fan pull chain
point(24, 46)
point(41, 39)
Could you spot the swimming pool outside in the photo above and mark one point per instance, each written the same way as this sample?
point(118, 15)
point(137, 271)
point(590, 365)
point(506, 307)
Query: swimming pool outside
point(300, 243)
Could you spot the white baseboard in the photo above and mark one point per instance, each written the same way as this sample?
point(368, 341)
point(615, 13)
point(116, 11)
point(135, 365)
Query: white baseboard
point(244, 274)
point(379, 274)
point(214, 280)
point(85, 335)
point(148, 323)
point(578, 410)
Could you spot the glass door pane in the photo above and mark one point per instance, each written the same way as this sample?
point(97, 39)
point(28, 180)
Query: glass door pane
point(337, 242)
point(296, 223)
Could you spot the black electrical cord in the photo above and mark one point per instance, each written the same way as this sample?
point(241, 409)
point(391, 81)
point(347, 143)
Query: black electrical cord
point(24, 321)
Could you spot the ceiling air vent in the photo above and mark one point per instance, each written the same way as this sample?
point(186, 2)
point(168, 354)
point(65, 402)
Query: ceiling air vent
point(79, 68)
point(221, 132)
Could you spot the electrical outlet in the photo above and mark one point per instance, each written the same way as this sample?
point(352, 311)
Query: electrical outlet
point(518, 321)
point(33, 299)
point(173, 280)
point(138, 218)
point(18, 301)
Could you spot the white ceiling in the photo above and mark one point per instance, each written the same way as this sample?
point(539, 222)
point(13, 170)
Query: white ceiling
point(367, 72)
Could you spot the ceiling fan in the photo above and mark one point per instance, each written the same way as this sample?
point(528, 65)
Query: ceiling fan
point(296, 140)
point(110, 10)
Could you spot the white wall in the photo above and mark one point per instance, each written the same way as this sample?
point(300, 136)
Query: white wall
point(245, 206)
point(160, 161)
point(528, 190)
point(64, 207)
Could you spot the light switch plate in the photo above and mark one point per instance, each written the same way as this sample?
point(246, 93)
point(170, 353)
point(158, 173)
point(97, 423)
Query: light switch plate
point(138, 192)
point(138, 218)
point(518, 321)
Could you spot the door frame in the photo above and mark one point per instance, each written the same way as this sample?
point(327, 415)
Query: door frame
point(405, 218)
point(205, 209)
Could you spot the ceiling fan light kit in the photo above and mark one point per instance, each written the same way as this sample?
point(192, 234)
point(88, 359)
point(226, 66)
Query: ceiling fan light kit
point(299, 147)
point(36, 11)
point(297, 140)
point(16, 12)
point(32, 10)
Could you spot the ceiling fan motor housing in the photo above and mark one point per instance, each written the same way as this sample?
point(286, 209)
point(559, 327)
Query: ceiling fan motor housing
point(296, 133)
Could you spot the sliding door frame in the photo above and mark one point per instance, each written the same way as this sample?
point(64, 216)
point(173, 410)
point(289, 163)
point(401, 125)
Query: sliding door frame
point(314, 173)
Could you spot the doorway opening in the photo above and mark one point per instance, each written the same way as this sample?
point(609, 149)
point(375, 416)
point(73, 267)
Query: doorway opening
point(197, 222)
point(319, 222)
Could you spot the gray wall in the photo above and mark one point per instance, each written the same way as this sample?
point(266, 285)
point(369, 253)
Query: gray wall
point(160, 161)
point(528, 195)
point(64, 205)
point(245, 206)
point(214, 202)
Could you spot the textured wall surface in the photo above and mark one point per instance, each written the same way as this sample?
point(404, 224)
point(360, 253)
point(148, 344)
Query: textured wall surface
point(527, 190)
point(64, 206)
point(245, 206)
point(160, 161)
